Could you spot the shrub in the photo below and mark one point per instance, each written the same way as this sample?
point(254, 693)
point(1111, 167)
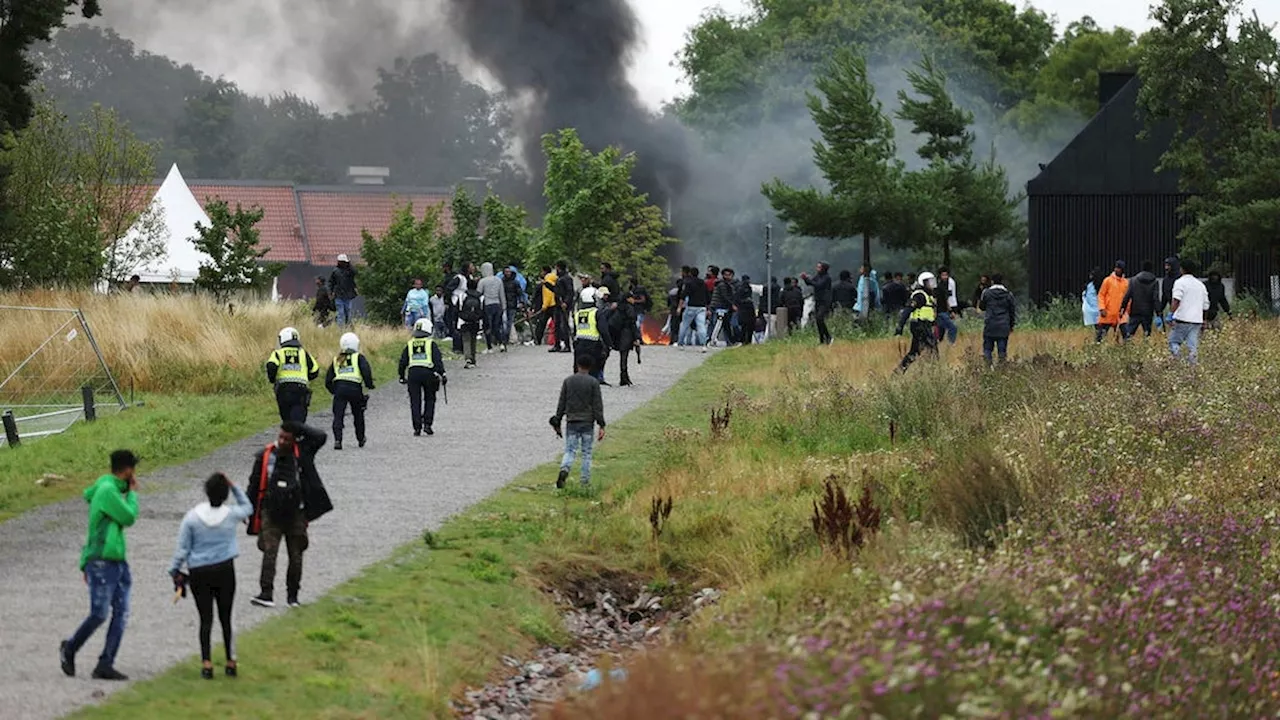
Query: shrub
point(976, 494)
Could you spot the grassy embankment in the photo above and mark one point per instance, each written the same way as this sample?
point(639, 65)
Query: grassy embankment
point(1085, 533)
point(196, 369)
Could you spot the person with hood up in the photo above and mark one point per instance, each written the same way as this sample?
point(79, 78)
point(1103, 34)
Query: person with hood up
point(592, 336)
point(207, 548)
point(346, 379)
point(1140, 301)
point(745, 300)
point(422, 370)
point(792, 298)
point(495, 308)
point(1172, 270)
point(291, 369)
point(287, 496)
point(417, 304)
point(1110, 314)
point(922, 311)
point(844, 293)
point(470, 322)
point(821, 284)
point(868, 295)
point(1089, 298)
point(342, 286)
point(622, 332)
point(323, 304)
point(513, 297)
point(1000, 315)
point(1217, 300)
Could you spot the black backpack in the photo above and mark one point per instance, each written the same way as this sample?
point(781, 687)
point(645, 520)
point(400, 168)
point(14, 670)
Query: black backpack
point(472, 311)
point(284, 490)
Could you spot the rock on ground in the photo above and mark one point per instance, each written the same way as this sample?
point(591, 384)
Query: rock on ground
point(494, 428)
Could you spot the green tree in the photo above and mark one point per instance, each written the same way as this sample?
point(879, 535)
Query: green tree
point(208, 136)
point(235, 258)
point(409, 249)
point(1217, 90)
point(856, 155)
point(287, 142)
point(954, 201)
point(636, 251)
point(22, 23)
point(464, 244)
point(507, 235)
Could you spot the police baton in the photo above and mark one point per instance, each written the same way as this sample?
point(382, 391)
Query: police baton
point(444, 385)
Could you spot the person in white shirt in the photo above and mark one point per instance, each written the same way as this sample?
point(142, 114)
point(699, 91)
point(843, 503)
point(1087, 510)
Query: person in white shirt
point(1190, 301)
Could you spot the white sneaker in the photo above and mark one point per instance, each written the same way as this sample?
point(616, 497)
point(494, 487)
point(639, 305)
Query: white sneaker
point(704, 349)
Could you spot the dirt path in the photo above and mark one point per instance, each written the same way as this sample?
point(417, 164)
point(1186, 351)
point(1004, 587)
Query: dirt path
point(385, 494)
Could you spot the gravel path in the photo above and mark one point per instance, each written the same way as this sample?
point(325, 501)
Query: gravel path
point(495, 428)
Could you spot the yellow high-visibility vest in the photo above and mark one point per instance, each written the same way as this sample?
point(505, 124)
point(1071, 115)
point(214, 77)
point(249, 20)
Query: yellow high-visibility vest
point(927, 313)
point(586, 322)
point(291, 365)
point(347, 367)
point(421, 352)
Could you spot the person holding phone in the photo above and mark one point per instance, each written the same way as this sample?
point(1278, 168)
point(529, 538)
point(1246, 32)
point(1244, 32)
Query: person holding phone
point(207, 547)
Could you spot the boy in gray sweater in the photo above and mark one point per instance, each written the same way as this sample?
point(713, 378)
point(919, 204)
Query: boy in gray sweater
point(581, 406)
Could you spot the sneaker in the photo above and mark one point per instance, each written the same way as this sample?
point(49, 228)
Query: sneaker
point(68, 661)
point(263, 601)
point(430, 431)
point(293, 602)
point(502, 349)
point(231, 671)
point(417, 433)
point(564, 474)
point(102, 673)
point(704, 349)
point(206, 673)
point(337, 444)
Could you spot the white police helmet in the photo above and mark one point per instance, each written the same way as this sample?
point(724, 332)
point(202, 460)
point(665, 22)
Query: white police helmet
point(288, 334)
point(422, 325)
point(588, 296)
point(349, 342)
point(925, 279)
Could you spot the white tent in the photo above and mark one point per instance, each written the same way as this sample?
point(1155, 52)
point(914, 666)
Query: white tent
point(180, 211)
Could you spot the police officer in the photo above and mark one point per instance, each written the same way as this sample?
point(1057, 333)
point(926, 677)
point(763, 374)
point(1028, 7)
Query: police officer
point(349, 374)
point(591, 337)
point(922, 310)
point(422, 362)
point(291, 369)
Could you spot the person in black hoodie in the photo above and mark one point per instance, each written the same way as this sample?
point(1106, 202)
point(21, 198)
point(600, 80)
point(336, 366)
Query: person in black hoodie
point(609, 279)
point(792, 298)
point(1141, 301)
point(287, 496)
point(1217, 299)
point(1172, 271)
point(1000, 317)
point(565, 301)
point(821, 284)
point(844, 293)
point(623, 336)
point(745, 299)
point(342, 286)
point(894, 296)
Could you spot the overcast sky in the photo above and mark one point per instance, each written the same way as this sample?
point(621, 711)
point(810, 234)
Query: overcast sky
point(667, 21)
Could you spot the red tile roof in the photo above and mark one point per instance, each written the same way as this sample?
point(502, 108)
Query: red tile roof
point(279, 228)
point(334, 217)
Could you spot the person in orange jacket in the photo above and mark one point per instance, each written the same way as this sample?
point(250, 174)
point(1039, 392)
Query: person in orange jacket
point(1110, 296)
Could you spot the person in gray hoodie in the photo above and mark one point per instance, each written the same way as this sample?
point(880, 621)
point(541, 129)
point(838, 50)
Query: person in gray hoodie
point(495, 309)
point(1141, 301)
point(207, 547)
point(1000, 316)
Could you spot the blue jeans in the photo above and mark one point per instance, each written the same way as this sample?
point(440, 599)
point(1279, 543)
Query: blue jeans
point(1188, 334)
point(344, 310)
point(495, 320)
point(579, 438)
point(948, 328)
point(411, 317)
point(109, 586)
point(693, 326)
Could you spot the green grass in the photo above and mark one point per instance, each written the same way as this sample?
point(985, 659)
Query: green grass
point(398, 639)
point(166, 430)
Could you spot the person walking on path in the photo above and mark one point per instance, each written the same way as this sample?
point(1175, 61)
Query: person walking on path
point(207, 548)
point(722, 309)
point(287, 496)
point(1000, 315)
point(113, 506)
point(470, 322)
point(291, 369)
point(342, 286)
point(922, 311)
point(543, 300)
point(1189, 302)
point(1109, 296)
point(1141, 301)
point(581, 407)
point(513, 293)
point(347, 377)
point(495, 308)
point(623, 333)
point(821, 284)
point(417, 304)
point(323, 304)
point(422, 370)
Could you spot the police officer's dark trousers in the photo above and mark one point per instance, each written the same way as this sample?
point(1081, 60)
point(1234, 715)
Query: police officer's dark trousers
point(593, 349)
point(292, 399)
point(347, 393)
point(922, 339)
point(423, 385)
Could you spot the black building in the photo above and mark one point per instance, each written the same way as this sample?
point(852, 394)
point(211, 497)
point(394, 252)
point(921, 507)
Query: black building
point(1101, 199)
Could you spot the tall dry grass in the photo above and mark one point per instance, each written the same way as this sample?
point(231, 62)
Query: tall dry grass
point(162, 343)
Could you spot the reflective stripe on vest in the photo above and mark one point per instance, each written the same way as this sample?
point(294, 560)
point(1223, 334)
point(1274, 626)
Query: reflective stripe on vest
point(347, 368)
point(929, 312)
point(291, 365)
point(586, 321)
point(421, 352)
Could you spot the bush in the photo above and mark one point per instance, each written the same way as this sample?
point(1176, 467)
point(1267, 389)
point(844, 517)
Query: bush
point(976, 495)
point(407, 250)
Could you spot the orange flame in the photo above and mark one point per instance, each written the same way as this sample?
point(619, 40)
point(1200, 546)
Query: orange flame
point(651, 332)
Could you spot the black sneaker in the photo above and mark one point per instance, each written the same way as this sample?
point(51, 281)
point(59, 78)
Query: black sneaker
point(102, 673)
point(68, 661)
point(263, 601)
point(293, 602)
point(417, 433)
point(564, 475)
point(430, 431)
point(231, 671)
point(337, 444)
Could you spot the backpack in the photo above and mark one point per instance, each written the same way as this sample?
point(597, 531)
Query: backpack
point(472, 311)
point(284, 493)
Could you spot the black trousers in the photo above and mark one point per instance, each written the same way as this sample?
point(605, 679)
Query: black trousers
point(423, 385)
point(209, 585)
point(292, 400)
point(922, 339)
point(347, 393)
point(563, 336)
point(540, 326)
point(820, 315)
point(746, 323)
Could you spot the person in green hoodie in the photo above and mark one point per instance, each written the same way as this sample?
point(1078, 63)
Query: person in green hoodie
point(113, 506)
